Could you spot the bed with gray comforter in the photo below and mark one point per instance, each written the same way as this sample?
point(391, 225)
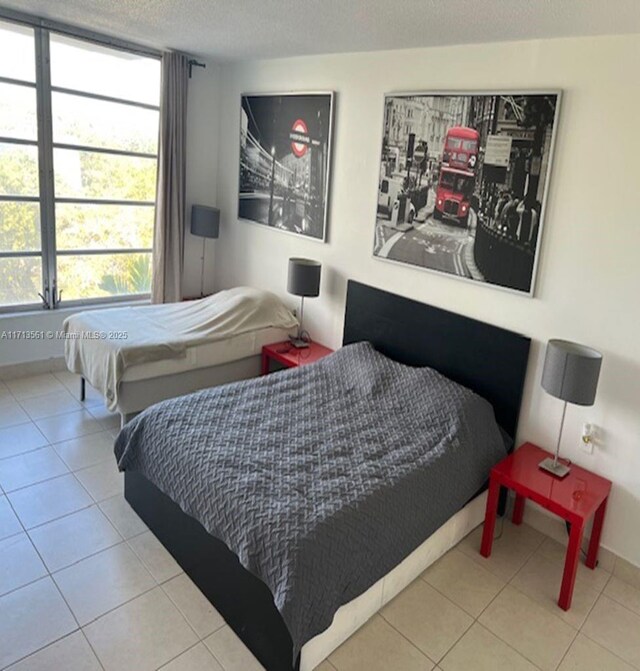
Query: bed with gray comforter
point(320, 478)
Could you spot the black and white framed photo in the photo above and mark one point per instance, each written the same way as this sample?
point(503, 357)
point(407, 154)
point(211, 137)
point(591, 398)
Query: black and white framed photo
point(463, 183)
point(285, 147)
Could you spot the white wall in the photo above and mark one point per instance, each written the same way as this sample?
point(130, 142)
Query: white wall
point(588, 278)
point(203, 124)
point(23, 350)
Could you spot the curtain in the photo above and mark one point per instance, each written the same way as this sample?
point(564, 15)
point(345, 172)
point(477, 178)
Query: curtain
point(168, 235)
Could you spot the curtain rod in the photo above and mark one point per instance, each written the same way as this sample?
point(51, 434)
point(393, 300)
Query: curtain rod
point(75, 31)
point(193, 63)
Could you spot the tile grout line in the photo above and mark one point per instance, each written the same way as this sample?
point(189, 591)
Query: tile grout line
point(61, 517)
point(86, 638)
point(93, 554)
point(74, 437)
point(508, 583)
point(162, 584)
point(582, 625)
point(38, 482)
point(402, 634)
point(557, 617)
point(477, 621)
point(157, 585)
point(94, 501)
point(478, 559)
point(612, 652)
point(24, 530)
point(191, 647)
point(609, 596)
point(627, 583)
point(520, 654)
point(51, 443)
point(50, 575)
point(60, 638)
point(72, 473)
point(223, 666)
point(73, 615)
point(19, 454)
point(120, 605)
point(548, 610)
point(55, 414)
point(573, 640)
point(35, 652)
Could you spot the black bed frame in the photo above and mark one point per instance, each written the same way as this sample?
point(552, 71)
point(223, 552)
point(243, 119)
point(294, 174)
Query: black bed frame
point(489, 360)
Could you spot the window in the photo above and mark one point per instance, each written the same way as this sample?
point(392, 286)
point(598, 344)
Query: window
point(20, 237)
point(78, 161)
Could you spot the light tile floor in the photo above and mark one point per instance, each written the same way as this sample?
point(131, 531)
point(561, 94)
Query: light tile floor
point(85, 585)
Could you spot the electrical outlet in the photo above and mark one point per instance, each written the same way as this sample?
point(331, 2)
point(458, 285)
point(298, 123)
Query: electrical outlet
point(588, 438)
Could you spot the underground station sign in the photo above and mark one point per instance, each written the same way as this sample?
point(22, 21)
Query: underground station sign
point(300, 138)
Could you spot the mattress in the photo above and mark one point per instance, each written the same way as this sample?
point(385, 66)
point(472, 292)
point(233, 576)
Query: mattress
point(206, 355)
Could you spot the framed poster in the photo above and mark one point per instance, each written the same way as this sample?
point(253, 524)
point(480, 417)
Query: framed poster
point(463, 183)
point(285, 146)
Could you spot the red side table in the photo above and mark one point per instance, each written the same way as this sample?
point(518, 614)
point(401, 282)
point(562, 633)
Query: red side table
point(575, 498)
point(290, 356)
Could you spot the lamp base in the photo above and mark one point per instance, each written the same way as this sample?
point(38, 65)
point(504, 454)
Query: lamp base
point(558, 469)
point(298, 343)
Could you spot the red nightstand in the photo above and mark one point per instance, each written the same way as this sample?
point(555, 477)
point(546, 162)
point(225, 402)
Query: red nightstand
point(576, 498)
point(290, 356)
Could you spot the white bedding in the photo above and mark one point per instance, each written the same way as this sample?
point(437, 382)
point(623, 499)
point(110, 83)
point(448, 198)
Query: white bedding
point(101, 345)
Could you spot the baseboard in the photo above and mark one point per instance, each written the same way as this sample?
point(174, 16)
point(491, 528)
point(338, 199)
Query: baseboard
point(15, 370)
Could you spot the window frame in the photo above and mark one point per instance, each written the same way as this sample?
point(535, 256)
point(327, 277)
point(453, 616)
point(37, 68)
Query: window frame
point(46, 198)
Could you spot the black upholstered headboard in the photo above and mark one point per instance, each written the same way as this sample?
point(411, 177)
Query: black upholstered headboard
point(489, 360)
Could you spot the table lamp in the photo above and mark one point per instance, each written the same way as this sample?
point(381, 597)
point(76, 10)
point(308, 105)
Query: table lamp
point(303, 280)
point(571, 374)
point(205, 223)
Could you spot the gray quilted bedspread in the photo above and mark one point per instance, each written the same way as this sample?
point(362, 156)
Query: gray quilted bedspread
point(321, 478)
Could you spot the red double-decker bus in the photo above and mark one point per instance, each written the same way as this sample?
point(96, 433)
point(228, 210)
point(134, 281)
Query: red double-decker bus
point(457, 175)
point(461, 148)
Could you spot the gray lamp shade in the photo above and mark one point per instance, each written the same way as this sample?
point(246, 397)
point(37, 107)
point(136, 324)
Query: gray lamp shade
point(571, 372)
point(205, 221)
point(304, 277)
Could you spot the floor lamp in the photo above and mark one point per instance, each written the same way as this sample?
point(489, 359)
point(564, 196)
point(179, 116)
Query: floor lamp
point(571, 374)
point(205, 223)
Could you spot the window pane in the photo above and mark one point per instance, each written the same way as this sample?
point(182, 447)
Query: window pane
point(19, 227)
point(20, 280)
point(103, 275)
point(85, 174)
point(97, 123)
point(103, 226)
point(18, 112)
point(17, 52)
point(83, 66)
point(18, 170)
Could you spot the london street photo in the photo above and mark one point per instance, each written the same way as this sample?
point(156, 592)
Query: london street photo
point(285, 141)
point(463, 182)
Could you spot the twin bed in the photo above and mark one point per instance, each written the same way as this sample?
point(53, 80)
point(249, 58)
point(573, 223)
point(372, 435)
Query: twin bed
point(136, 356)
point(301, 502)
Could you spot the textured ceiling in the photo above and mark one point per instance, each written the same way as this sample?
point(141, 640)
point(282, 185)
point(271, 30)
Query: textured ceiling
point(246, 29)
